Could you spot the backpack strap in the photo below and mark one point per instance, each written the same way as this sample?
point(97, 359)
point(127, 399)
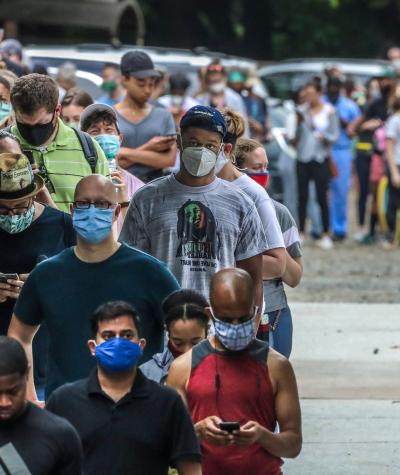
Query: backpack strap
point(88, 148)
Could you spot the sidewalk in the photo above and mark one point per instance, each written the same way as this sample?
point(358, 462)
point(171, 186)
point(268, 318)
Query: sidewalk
point(347, 363)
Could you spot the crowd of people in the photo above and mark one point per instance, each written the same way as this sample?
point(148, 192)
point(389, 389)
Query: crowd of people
point(144, 325)
point(142, 279)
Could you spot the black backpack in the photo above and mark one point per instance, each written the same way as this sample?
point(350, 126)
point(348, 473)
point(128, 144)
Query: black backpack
point(88, 148)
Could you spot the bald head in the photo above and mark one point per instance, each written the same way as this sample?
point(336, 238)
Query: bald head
point(96, 188)
point(232, 290)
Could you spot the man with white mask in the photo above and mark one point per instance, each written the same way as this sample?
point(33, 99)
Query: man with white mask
point(193, 221)
point(219, 95)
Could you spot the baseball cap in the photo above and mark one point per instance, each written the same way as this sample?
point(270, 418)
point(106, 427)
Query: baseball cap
point(236, 76)
point(138, 64)
point(93, 108)
point(11, 46)
point(204, 117)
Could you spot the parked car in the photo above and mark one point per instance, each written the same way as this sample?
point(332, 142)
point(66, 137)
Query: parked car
point(91, 58)
point(89, 82)
point(283, 79)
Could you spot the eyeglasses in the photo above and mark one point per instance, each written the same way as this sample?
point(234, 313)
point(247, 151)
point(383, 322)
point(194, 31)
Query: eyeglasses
point(18, 210)
point(97, 204)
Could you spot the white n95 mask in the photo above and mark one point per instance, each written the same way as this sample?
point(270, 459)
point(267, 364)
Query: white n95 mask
point(198, 161)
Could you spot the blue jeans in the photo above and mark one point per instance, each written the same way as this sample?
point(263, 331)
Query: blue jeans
point(281, 339)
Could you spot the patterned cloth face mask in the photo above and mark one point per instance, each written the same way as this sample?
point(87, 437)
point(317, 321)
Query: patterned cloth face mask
point(17, 222)
point(236, 337)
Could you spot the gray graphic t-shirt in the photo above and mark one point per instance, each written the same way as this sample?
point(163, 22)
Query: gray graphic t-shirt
point(196, 231)
point(274, 292)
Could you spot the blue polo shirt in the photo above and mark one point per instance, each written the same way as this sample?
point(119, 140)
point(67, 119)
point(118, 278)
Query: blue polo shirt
point(348, 111)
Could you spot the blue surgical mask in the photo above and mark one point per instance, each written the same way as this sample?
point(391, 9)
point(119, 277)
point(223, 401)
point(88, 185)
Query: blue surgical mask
point(5, 110)
point(93, 225)
point(109, 143)
point(118, 355)
point(235, 337)
point(18, 222)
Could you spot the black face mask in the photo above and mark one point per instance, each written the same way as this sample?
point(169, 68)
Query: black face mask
point(36, 134)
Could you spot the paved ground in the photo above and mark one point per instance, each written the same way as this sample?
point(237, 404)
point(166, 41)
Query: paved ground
point(349, 273)
point(347, 361)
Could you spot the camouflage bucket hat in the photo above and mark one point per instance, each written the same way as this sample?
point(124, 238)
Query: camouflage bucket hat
point(17, 179)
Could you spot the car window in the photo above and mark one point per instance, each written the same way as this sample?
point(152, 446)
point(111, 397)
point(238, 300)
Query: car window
point(284, 85)
point(89, 66)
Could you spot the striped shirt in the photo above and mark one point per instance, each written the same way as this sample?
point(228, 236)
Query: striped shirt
point(62, 164)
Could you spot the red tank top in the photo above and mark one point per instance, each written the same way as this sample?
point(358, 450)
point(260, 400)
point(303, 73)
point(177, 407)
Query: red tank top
point(242, 391)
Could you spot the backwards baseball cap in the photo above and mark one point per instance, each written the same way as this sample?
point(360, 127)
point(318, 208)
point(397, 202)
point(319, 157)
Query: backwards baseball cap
point(17, 180)
point(93, 109)
point(204, 117)
point(138, 64)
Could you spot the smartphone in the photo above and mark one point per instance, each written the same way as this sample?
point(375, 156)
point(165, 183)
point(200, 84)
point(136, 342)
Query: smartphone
point(5, 277)
point(229, 426)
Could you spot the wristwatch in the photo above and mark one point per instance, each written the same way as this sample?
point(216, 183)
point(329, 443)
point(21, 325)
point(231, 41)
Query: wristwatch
point(124, 204)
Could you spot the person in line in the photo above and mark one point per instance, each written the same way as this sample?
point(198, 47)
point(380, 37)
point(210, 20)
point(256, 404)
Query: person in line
point(233, 377)
point(277, 328)
point(318, 129)
point(29, 233)
point(374, 117)
point(186, 325)
point(127, 423)
point(273, 261)
point(11, 55)
point(218, 94)
point(347, 112)
point(55, 147)
point(160, 86)
point(392, 130)
point(72, 106)
point(7, 80)
point(66, 78)
point(193, 221)
point(100, 121)
point(32, 440)
point(65, 290)
point(178, 102)
point(112, 87)
point(149, 143)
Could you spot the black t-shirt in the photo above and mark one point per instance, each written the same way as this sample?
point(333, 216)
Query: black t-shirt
point(48, 235)
point(378, 109)
point(42, 442)
point(143, 433)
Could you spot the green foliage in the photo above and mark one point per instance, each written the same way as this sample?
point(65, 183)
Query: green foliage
point(276, 29)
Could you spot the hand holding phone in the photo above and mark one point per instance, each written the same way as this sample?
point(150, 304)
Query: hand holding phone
point(5, 277)
point(8, 289)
